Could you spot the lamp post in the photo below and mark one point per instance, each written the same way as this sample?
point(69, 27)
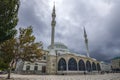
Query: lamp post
point(61, 69)
point(56, 61)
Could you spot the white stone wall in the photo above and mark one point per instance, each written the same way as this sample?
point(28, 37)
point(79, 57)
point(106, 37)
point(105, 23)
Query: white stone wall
point(32, 65)
point(116, 64)
point(105, 67)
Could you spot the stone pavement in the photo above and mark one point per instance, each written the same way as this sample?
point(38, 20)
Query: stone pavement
point(111, 76)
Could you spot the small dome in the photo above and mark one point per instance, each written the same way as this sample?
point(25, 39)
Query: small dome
point(58, 46)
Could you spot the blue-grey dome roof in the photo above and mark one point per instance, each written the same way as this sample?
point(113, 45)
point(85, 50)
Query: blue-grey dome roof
point(58, 46)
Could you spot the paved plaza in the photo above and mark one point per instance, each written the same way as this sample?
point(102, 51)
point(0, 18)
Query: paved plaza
point(111, 76)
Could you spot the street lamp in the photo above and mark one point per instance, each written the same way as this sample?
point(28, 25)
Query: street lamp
point(56, 61)
point(61, 69)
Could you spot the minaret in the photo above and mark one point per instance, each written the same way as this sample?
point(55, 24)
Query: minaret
point(86, 42)
point(53, 23)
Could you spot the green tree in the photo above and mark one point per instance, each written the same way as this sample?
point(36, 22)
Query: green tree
point(7, 54)
point(29, 49)
point(8, 18)
point(23, 47)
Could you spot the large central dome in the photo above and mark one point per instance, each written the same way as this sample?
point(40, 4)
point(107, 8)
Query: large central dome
point(59, 46)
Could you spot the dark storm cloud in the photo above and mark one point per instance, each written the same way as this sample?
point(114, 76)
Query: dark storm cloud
point(100, 55)
point(34, 13)
point(111, 46)
point(28, 16)
point(100, 17)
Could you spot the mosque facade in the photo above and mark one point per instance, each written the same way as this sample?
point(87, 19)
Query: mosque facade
point(58, 59)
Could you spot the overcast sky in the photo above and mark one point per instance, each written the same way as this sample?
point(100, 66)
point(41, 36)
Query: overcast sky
point(100, 17)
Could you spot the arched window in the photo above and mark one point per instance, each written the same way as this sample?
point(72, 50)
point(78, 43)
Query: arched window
point(81, 65)
point(43, 69)
point(93, 66)
point(27, 68)
point(88, 66)
point(62, 64)
point(98, 67)
point(36, 67)
point(72, 64)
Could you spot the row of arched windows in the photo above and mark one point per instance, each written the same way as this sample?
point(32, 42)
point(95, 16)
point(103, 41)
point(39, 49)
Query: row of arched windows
point(28, 68)
point(73, 66)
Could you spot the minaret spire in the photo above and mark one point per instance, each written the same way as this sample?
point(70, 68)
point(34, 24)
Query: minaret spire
point(86, 42)
point(53, 23)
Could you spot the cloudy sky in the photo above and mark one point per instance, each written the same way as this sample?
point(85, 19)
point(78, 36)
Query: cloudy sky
point(100, 17)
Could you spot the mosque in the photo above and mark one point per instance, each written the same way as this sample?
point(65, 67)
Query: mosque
point(58, 59)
